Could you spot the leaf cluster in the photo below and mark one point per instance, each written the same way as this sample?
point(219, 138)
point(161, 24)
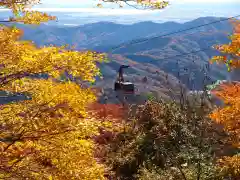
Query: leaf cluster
point(168, 141)
point(229, 115)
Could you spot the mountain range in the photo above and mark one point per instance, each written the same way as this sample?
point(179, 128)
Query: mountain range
point(167, 62)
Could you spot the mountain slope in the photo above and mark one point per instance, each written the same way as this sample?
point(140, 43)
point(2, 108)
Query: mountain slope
point(154, 58)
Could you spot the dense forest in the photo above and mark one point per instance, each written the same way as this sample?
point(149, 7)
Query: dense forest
point(61, 131)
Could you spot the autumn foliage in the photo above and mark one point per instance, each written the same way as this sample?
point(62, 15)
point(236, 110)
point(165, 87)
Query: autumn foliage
point(111, 111)
point(230, 52)
point(53, 134)
point(229, 116)
point(145, 4)
point(49, 135)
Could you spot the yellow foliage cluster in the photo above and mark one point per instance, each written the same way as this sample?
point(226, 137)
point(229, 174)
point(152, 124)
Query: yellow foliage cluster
point(231, 165)
point(21, 14)
point(150, 4)
point(48, 136)
point(33, 17)
point(155, 4)
point(50, 133)
point(18, 57)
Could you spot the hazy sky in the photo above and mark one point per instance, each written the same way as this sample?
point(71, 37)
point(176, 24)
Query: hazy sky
point(204, 1)
point(178, 8)
point(92, 3)
point(86, 11)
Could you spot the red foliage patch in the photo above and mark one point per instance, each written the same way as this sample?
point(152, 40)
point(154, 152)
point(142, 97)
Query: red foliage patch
point(103, 111)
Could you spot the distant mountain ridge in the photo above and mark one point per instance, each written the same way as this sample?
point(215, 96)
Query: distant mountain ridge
point(106, 34)
point(154, 58)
